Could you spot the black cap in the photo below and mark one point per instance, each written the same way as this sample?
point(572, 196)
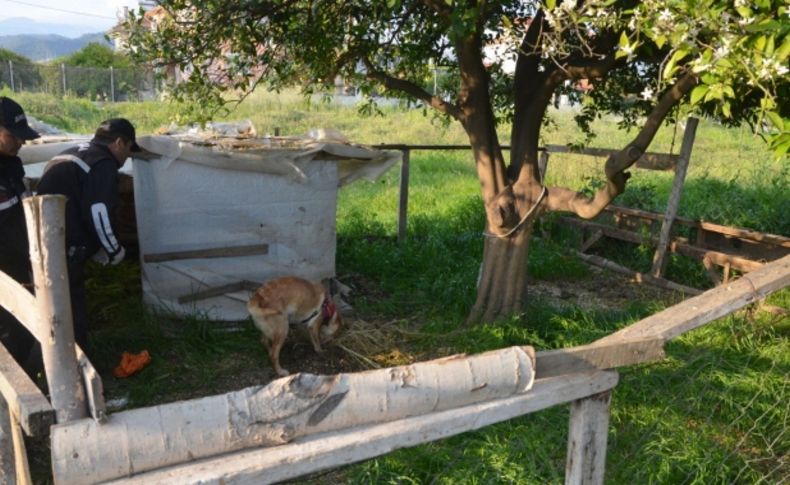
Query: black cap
point(109, 130)
point(13, 119)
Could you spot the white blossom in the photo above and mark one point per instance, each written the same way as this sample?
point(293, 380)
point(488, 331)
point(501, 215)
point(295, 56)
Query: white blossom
point(665, 15)
point(746, 21)
point(568, 4)
point(741, 3)
point(647, 93)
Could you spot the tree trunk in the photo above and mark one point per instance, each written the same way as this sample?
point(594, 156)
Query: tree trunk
point(502, 286)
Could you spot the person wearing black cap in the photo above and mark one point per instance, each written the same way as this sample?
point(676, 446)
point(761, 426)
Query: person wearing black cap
point(14, 249)
point(88, 176)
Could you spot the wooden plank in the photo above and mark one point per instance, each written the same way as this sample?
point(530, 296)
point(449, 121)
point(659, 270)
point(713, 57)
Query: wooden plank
point(679, 245)
point(636, 275)
point(218, 291)
point(7, 461)
point(709, 306)
point(715, 257)
point(587, 437)
point(649, 161)
point(608, 231)
point(739, 232)
point(594, 238)
point(587, 358)
point(749, 234)
point(403, 200)
point(20, 303)
point(329, 450)
point(659, 261)
point(45, 218)
point(231, 252)
point(20, 454)
point(94, 388)
point(26, 401)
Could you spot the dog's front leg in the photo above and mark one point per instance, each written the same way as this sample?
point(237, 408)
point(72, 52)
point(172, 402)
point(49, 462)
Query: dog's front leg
point(313, 329)
point(277, 332)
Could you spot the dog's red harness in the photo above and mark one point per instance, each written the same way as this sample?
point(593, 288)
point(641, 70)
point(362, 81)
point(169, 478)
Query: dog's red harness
point(328, 308)
point(328, 311)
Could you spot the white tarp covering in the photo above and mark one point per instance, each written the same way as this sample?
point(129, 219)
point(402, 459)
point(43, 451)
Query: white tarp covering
point(277, 198)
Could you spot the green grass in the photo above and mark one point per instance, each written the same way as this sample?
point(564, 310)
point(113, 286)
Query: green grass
point(716, 411)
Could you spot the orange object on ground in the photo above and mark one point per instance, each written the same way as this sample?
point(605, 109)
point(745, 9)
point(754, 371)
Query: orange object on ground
point(131, 363)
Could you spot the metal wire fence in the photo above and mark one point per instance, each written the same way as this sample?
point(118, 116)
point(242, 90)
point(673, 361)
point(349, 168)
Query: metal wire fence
point(98, 84)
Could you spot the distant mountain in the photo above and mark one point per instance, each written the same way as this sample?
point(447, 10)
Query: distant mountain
point(24, 25)
point(41, 47)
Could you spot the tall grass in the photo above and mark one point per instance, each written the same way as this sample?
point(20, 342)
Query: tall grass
point(715, 411)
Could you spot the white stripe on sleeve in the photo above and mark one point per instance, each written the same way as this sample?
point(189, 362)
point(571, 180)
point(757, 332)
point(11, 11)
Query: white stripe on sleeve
point(101, 222)
point(9, 203)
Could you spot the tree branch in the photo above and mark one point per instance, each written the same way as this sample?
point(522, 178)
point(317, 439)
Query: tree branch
point(631, 153)
point(562, 199)
point(408, 87)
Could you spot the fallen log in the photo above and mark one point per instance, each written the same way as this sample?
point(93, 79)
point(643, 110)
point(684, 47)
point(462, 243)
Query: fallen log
point(134, 441)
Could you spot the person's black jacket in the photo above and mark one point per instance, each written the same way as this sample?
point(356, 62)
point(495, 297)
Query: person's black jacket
point(88, 176)
point(14, 259)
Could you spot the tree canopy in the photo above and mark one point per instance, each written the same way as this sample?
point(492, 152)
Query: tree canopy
point(644, 60)
point(634, 51)
point(95, 54)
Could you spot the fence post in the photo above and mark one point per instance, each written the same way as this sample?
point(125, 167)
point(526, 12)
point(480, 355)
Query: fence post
point(404, 195)
point(63, 75)
point(7, 463)
point(112, 85)
point(11, 74)
point(659, 258)
point(589, 430)
point(47, 231)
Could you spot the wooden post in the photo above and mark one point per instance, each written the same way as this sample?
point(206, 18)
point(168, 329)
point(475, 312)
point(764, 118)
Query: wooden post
point(7, 465)
point(20, 454)
point(589, 429)
point(659, 258)
point(11, 74)
point(46, 230)
point(404, 195)
point(112, 85)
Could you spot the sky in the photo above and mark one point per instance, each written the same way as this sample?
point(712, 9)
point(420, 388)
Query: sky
point(94, 15)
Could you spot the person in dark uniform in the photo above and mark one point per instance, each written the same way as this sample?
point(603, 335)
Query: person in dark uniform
point(14, 249)
point(88, 176)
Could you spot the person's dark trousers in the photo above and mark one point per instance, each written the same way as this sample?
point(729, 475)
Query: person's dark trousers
point(13, 334)
point(79, 303)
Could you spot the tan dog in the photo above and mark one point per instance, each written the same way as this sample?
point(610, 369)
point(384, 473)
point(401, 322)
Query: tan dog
point(292, 301)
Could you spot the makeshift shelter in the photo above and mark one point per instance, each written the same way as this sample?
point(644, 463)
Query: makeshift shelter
point(217, 215)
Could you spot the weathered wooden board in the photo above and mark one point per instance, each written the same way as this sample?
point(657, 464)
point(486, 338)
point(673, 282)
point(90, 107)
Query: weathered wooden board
point(586, 358)
point(25, 400)
point(314, 453)
point(709, 306)
point(589, 431)
point(20, 303)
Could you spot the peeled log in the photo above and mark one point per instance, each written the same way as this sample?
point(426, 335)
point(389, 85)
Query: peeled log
point(145, 439)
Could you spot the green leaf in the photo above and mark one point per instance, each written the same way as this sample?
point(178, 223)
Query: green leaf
point(698, 92)
point(670, 67)
point(776, 120)
point(784, 49)
point(725, 108)
point(550, 4)
point(660, 41)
